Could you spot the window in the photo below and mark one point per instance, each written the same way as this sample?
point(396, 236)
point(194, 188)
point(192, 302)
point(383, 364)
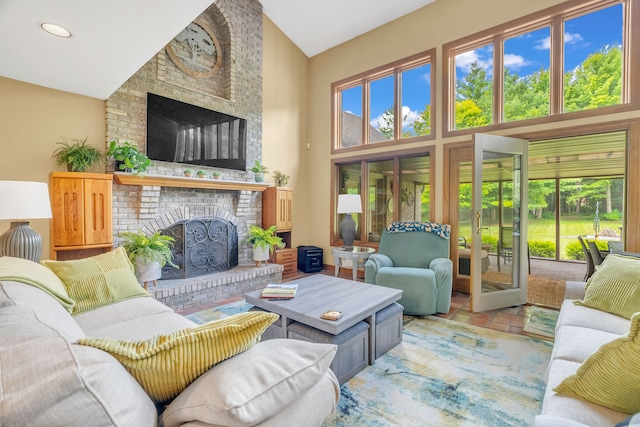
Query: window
point(386, 105)
point(397, 188)
point(551, 63)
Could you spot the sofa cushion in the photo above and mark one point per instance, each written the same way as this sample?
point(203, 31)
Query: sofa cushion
point(615, 287)
point(138, 319)
point(99, 280)
point(610, 377)
point(253, 386)
point(34, 274)
point(47, 309)
point(46, 381)
point(578, 315)
point(577, 343)
point(166, 364)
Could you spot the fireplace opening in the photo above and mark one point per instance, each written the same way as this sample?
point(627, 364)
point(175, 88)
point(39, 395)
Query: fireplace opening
point(202, 246)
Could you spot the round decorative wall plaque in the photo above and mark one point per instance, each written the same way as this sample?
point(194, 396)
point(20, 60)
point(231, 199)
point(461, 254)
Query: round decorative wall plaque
point(196, 50)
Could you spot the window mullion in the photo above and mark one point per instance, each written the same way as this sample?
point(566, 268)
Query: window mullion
point(556, 80)
point(498, 80)
point(397, 102)
point(366, 111)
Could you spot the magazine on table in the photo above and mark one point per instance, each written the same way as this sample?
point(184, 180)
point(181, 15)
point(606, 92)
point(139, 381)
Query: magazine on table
point(281, 290)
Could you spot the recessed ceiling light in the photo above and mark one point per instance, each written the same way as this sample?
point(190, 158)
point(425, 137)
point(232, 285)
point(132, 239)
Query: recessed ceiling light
point(56, 30)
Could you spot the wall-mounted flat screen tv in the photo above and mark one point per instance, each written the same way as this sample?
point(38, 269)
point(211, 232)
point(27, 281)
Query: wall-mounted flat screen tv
point(185, 133)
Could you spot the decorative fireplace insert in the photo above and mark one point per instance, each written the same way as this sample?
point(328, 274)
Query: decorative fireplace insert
point(202, 246)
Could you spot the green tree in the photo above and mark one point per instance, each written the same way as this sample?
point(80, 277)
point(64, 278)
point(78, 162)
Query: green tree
point(474, 98)
point(597, 82)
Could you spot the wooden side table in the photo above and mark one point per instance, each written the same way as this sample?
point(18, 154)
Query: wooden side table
point(357, 255)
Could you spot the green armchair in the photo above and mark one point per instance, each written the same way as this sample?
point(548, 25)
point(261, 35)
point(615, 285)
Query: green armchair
point(414, 257)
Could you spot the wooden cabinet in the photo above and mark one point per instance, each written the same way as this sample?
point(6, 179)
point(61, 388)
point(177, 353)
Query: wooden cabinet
point(277, 208)
point(288, 257)
point(82, 214)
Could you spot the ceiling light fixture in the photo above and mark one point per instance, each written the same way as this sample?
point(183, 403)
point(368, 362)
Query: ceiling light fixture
point(56, 30)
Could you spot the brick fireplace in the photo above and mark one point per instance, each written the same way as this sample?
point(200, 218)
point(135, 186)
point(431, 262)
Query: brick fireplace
point(235, 89)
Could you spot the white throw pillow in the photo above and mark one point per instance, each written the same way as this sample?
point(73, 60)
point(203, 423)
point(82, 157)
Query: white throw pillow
point(253, 386)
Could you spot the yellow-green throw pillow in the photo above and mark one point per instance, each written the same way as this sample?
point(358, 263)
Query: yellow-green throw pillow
point(31, 273)
point(166, 364)
point(610, 377)
point(99, 280)
point(615, 287)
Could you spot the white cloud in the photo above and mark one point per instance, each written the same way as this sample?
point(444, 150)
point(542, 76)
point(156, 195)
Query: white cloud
point(409, 117)
point(513, 61)
point(464, 60)
point(545, 43)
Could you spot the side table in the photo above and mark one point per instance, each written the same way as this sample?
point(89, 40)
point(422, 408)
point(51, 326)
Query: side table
point(357, 255)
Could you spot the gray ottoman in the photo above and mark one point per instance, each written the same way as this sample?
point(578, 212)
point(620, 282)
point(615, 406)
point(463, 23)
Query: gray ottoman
point(353, 346)
point(388, 328)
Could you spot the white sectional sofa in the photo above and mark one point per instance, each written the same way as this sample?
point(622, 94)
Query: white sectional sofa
point(48, 379)
point(580, 332)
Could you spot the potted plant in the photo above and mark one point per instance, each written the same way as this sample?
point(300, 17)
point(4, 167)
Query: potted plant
point(201, 174)
point(188, 172)
point(77, 155)
point(280, 178)
point(148, 253)
point(128, 157)
point(216, 175)
point(259, 170)
point(264, 242)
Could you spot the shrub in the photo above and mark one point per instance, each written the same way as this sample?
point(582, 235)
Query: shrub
point(574, 251)
point(542, 248)
point(614, 215)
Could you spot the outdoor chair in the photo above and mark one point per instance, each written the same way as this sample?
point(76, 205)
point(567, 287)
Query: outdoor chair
point(587, 255)
point(414, 257)
point(596, 255)
point(505, 244)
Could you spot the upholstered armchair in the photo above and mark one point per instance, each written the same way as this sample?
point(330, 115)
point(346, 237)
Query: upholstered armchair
point(414, 257)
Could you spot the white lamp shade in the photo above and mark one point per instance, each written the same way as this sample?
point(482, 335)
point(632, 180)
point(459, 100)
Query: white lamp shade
point(24, 200)
point(349, 203)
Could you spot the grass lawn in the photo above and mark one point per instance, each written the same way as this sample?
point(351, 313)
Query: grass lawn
point(545, 229)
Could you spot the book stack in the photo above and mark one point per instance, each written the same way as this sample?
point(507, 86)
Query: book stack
point(287, 290)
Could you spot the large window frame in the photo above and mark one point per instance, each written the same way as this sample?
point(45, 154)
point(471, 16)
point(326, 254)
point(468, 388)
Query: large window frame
point(396, 157)
point(364, 80)
point(554, 18)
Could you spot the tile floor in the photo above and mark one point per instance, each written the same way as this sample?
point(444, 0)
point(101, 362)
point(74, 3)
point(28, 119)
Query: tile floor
point(509, 319)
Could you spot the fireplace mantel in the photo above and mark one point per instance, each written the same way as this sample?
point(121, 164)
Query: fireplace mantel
point(183, 182)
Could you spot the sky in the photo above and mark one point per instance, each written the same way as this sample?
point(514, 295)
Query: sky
point(524, 55)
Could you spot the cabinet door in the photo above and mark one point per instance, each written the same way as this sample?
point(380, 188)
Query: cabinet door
point(97, 211)
point(68, 208)
point(284, 210)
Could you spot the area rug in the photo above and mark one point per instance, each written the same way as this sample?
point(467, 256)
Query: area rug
point(540, 321)
point(540, 290)
point(444, 373)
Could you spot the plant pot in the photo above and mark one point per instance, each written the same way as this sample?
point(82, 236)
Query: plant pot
point(147, 270)
point(217, 177)
point(188, 175)
point(260, 254)
point(258, 176)
point(117, 167)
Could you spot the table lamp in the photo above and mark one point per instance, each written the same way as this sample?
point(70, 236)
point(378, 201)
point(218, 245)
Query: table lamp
point(348, 204)
point(21, 201)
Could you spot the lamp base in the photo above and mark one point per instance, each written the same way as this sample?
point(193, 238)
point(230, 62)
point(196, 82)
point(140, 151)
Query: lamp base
point(348, 230)
point(21, 241)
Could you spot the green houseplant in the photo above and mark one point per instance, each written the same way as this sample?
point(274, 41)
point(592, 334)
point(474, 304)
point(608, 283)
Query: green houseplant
point(77, 154)
point(128, 157)
point(216, 175)
point(264, 242)
point(201, 173)
point(259, 170)
point(188, 172)
point(280, 178)
point(148, 253)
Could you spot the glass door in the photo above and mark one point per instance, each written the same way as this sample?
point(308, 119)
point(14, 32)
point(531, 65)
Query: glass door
point(499, 226)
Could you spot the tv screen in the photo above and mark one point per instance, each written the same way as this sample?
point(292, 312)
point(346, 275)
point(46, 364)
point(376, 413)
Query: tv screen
point(185, 133)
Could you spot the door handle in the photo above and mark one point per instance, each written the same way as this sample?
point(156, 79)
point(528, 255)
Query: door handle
point(478, 217)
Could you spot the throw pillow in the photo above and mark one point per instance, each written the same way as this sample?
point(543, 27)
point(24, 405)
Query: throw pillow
point(615, 287)
point(610, 377)
point(99, 280)
point(253, 386)
point(31, 273)
point(166, 364)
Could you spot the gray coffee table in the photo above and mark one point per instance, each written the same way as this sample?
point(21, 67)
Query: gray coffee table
point(357, 301)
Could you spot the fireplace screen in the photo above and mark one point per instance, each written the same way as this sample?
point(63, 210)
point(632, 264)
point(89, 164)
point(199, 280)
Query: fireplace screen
point(202, 246)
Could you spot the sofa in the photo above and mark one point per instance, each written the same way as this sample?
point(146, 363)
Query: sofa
point(52, 371)
point(594, 362)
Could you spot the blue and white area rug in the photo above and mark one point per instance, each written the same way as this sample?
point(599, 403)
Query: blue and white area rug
point(541, 321)
point(444, 373)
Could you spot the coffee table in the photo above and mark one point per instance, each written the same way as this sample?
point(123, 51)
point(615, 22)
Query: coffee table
point(318, 293)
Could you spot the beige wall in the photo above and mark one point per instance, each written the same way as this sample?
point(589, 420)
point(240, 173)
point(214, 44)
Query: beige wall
point(430, 27)
point(33, 119)
point(284, 121)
